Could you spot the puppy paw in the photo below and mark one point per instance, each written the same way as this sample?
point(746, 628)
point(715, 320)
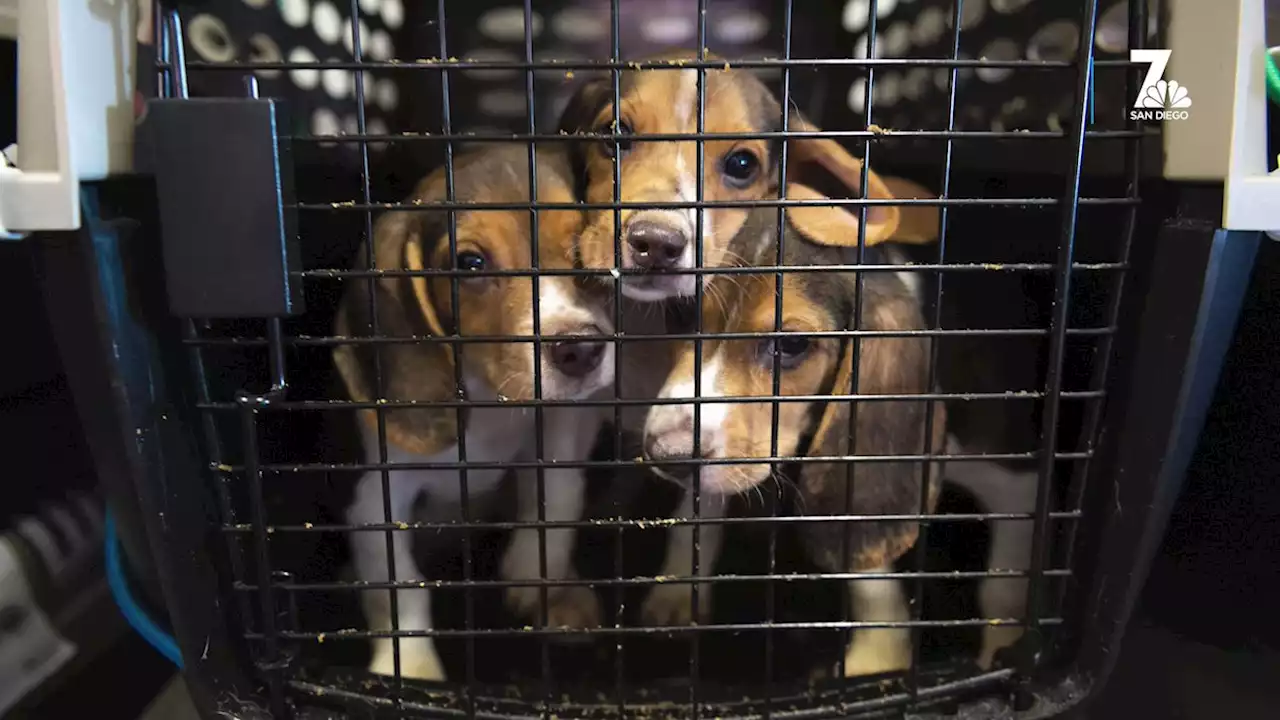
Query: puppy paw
point(672, 605)
point(418, 659)
point(876, 651)
point(994, 639)
point(571, 606)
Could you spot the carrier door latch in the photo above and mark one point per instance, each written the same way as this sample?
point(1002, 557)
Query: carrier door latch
point(224, 181)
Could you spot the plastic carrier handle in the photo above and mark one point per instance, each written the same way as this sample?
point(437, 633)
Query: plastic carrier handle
point(75, 106)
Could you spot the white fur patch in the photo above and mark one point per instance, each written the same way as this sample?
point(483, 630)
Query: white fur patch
point(687, 97)
point(686, 107)
point(999, 490)
point(558, 307)
point(712, 416)
point(561, 310)
point(877, 650)
point(487, 441)
point(910, 279)
point(687, 191)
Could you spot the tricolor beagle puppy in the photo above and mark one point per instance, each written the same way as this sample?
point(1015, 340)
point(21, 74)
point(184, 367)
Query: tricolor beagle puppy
point(424, 371)
point(664, 101)
point(814, 367)
point(656, 241)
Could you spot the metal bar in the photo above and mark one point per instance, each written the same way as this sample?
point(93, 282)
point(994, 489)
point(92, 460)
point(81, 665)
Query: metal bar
point(1133, 170)
point(651, 581)
point(1024, 268)
point(695, 489)
point(882, 397)
point(692, 205)
point(446, 124)
point(538, 418)
point(776, 367)
point(841, 334)
point(438, 65)
point(615, 55)
point(917, 604)
point(528, 464)
point(645, 524)
point(370, 260)
point(1003, 135)
point(1057, 343)
point(271, 662)
point(645, 630)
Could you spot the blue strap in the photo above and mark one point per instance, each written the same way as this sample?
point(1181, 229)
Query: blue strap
point(133, 613)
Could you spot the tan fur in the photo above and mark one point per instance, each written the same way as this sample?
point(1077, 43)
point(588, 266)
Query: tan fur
point(917, 224)
point(887, 365)
point(648, 170)
point(421, 307)
point(653, 102)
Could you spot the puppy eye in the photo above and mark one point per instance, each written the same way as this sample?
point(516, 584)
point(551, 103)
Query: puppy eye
point(624, 145)
point(740, 168)
point(471, 261)
point(790, 350)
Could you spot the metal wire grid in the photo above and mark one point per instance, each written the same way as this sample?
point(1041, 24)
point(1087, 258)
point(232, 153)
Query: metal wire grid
point(275, 634)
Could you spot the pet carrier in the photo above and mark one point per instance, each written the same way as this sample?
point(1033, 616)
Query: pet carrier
point(279, 346)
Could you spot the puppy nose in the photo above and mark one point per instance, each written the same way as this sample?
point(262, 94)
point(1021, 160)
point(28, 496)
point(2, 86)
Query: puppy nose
point(655, 246)
point(669, 446)
point(671, 438)
point(575, 358)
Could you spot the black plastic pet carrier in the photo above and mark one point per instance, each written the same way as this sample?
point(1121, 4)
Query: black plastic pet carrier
point(300, 364)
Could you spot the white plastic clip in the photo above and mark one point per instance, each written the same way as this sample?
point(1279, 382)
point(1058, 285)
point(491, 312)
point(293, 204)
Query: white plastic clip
point(1252, 199)
point(75, 108)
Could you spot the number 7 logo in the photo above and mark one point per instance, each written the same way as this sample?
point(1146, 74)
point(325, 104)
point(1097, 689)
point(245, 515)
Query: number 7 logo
point(1155, 93)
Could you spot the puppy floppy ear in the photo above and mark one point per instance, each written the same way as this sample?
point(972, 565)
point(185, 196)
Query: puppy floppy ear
point(882, 220)
point(584, 107)
point(415, 260)
point(579, 116)
point(830, 226)
point(918, 224)
point(419, 371)
point(838, 227)
point(887, 365)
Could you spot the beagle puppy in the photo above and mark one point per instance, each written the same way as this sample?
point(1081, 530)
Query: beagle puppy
point(656, 241)
point(815, 367)
point(664, 101)
point(423, 372)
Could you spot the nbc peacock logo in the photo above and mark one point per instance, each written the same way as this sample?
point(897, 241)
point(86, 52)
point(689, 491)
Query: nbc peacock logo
point(1158, 99)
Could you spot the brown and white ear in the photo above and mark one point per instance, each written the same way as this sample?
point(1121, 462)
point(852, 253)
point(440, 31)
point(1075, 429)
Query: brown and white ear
point(887, 365)
point(419, 371)
point(882, 220)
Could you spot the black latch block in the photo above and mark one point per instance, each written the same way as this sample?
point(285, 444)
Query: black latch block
point(225, 184)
